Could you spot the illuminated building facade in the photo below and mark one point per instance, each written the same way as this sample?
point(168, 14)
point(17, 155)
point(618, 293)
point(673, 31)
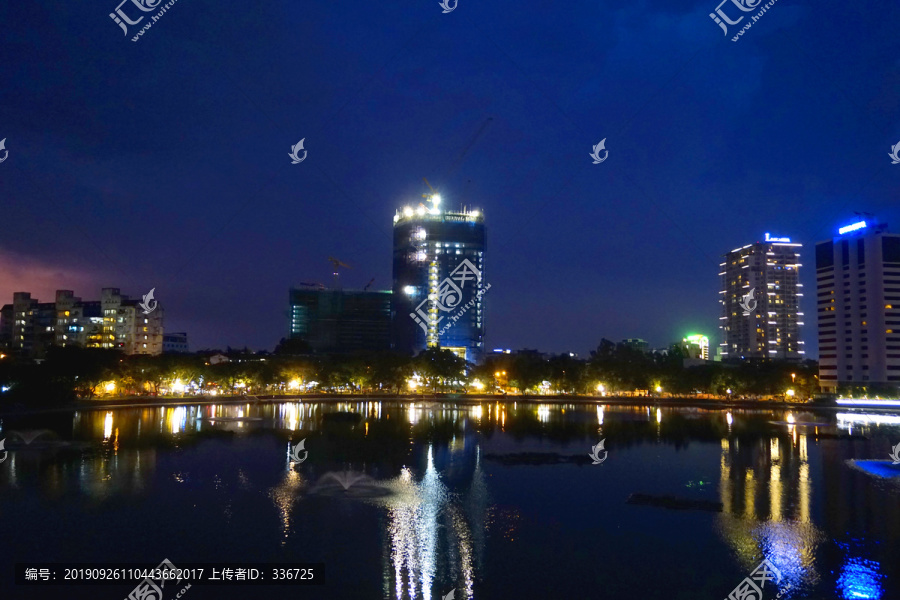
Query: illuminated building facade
point(29, 327)
point(858, 301)
point(771, 328)
point(125, 326)
point(696, 346)
point(341, 321)
point(438, 289)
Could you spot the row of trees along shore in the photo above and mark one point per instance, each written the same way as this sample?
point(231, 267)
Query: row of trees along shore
point(71, 373)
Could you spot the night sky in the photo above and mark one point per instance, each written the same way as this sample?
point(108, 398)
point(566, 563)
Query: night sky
point(164, 164)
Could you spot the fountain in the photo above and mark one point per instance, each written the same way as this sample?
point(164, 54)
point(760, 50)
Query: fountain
point(353, 484)
point(22, 440)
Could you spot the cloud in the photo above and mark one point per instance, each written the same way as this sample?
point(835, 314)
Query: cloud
point(42, 277)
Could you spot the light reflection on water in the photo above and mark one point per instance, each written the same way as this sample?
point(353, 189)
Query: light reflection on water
point(787, 494)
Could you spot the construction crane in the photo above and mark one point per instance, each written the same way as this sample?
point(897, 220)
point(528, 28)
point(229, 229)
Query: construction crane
point(337, 264)
point(368, 285)
point(433, 197)
point(462, 155)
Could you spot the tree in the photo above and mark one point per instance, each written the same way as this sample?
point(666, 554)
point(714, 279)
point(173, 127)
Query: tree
point(440, 366)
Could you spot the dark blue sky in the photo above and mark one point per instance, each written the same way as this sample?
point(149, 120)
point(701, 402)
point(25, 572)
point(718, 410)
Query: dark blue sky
point(164, 162)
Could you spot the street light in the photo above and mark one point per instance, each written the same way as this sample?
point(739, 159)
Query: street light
point(793, 376)
point(790, 393)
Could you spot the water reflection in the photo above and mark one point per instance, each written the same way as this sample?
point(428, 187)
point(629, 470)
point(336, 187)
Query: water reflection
point(429, 472)
point(424, 523)
point(765, 488)
point(859, 577)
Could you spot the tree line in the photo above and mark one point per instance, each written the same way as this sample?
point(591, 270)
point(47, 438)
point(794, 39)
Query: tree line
point(71, 373)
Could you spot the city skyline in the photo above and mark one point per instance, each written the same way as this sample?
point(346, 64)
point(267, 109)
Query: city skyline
point(768, 239)
point(176, 176)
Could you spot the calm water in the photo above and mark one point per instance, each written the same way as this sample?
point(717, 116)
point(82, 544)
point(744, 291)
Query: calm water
point(496, 501)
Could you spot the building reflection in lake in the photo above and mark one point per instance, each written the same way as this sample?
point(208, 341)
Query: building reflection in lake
point(434, 542)
point(766, 488)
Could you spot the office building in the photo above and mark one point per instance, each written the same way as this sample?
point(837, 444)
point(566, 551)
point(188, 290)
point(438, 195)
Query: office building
point(439, 287)
point(760, 298)
point(341, 321)
point(29, 327)
point(175, 343)
point(858, 301)
point(696, 346)
point(636, 344)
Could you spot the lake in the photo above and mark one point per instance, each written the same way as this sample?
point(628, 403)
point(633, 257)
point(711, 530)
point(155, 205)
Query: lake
point(497, 500)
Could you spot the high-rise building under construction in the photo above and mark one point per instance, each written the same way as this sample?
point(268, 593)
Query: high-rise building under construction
point(439, 285)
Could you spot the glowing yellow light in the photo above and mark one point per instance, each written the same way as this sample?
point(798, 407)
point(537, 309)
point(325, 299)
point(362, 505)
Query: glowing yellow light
point(790, 393)
point(110, 387)
point(178, 386)
point(478, 385)
point(497, 374)
point(790, 419)
point(107, 425)
point(658, 415)
point(294, 384)
point(407, 211)
point(658, 389)
point(729, 419)
point(412, 383)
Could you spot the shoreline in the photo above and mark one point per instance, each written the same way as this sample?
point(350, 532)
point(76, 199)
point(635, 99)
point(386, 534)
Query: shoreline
point(474, 399)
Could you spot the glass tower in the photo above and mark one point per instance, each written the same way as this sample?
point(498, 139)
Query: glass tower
point(439, 284)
